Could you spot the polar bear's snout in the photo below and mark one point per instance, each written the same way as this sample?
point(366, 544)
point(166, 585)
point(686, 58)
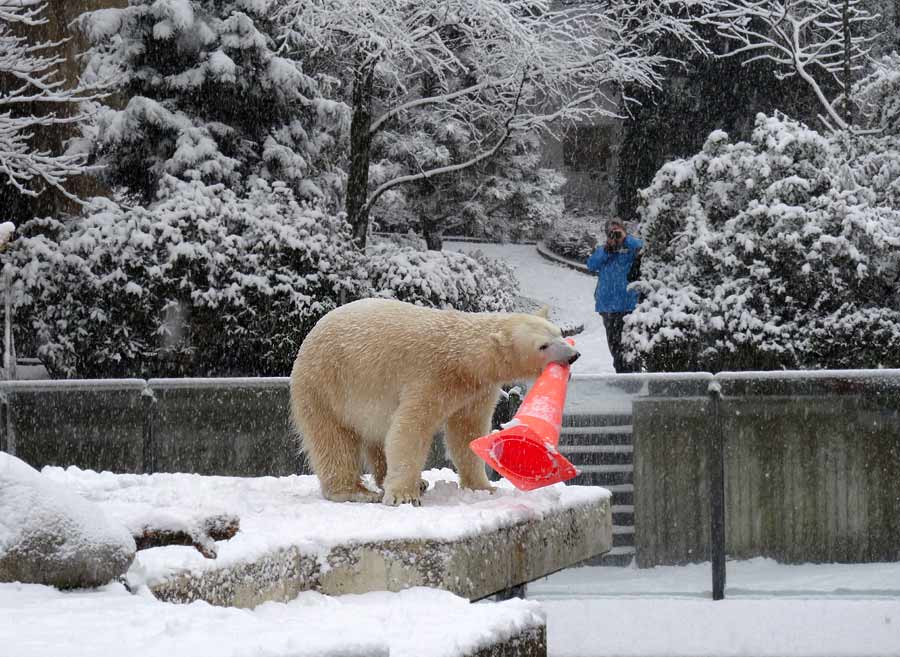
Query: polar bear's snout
point(562, 352)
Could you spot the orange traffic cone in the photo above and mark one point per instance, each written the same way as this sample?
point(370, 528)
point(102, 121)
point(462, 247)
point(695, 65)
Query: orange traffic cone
point(524, 452)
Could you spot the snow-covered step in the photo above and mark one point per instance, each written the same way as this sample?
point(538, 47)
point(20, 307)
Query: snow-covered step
point(596, 449)
point(580, 431)
point(291, 540)
point(605, 469)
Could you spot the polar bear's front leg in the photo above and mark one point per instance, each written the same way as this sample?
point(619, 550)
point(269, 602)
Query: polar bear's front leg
point(465, 425)
point(406, 448)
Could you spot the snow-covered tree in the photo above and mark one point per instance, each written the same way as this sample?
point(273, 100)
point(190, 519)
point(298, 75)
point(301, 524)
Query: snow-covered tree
point(488, 67)
point(810, 39)
point(783, 251)
point(878, 96)
point(204, 282)
point(207, 97)
point(506, 197)
point(34, 97)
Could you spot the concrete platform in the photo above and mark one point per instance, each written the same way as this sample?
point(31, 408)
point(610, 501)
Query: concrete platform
point(473, 567)
point(291, 540)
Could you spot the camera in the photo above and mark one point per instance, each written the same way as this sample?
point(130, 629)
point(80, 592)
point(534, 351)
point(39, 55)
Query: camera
point(614, 234)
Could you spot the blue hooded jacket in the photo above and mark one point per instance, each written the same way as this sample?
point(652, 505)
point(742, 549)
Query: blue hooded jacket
point(610, 295)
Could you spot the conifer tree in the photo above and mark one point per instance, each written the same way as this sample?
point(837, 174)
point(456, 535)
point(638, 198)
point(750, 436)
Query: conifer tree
point(208, 98)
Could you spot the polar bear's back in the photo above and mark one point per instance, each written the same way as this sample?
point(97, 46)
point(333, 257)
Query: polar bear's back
point(380, 335)
point(359, 358)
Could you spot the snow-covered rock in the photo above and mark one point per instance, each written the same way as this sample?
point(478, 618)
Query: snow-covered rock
point(50, 535)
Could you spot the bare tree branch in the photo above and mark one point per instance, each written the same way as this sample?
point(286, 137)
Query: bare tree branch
point(36, 67)
point(802, 37)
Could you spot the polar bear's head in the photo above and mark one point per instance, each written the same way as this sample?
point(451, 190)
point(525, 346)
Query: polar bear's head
point(531, 342)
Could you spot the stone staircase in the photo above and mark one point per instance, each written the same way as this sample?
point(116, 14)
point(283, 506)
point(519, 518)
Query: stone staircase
point(600, 446)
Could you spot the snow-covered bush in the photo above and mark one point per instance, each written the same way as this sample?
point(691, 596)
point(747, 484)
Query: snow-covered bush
point(207, 97)
point(875, 155)
point(575, 237)
point(780, 252)
point(202, 283)
point(878, 95)
point(442, 279)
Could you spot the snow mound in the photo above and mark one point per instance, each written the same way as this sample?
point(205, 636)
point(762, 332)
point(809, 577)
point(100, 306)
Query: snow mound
point(50, 535)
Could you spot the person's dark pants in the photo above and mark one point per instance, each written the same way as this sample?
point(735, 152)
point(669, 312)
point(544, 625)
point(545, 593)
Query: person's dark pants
point(614, 322)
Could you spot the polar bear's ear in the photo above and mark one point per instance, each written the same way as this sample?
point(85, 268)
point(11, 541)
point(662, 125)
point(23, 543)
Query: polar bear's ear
point(544, 312)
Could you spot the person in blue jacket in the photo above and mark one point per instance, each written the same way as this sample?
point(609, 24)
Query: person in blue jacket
point(613, 262)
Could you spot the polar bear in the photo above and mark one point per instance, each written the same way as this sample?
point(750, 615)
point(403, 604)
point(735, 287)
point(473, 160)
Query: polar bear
point(376, 379)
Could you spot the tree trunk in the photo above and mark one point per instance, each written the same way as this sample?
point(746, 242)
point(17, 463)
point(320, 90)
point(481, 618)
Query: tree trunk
point(360, 145)
point(848, 80)
point(434, 237)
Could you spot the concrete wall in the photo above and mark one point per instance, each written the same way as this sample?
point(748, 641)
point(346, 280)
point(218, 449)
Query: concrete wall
point(96, 424)
point(812, 471)
point(224, 426)
point(232, 427)
point(814, 479)
point(671, 486)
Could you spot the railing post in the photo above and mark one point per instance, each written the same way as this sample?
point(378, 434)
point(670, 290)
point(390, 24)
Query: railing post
point(8, 437)
point(148, 406)
point(717, 494)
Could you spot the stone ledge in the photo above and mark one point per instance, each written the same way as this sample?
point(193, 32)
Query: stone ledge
point(530, 643)
point(473, 567)
point(545, 252)
point(470, 543)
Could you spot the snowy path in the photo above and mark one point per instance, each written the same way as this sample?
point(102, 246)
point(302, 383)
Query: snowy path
point(568, 292)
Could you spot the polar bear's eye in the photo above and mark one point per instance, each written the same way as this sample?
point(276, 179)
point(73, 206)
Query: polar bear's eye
point(544, 346)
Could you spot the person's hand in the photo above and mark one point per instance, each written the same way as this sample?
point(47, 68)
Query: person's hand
point(614, 240)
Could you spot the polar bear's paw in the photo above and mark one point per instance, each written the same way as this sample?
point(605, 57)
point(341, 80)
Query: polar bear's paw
point(397, 495)
point(478, 486)
point(358, 494)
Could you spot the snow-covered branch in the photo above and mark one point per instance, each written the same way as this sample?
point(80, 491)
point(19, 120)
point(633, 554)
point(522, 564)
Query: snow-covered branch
point(463, 62)
point(32, 102)
point(806, 38)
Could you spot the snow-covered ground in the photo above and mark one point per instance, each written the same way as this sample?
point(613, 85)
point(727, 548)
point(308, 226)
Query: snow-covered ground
point(569, 293)
point(771, 609)
point(39, 621)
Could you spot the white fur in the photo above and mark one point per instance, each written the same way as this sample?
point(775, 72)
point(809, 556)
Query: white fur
point(376, 379)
